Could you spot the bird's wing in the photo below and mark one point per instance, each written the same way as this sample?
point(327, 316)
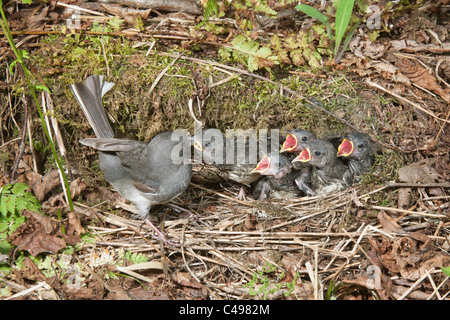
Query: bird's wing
point(112, 144)
point(145, 187)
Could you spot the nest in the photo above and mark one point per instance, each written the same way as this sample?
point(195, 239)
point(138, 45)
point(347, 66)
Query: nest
point(290, 249)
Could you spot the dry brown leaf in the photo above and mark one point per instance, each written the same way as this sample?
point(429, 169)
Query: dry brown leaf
point(415, 173)
point(77, 186)
point(130, 15)
point(422, 77)
point(418, 173)
point(75, 226)
point(42, 185)
point(404, 196)
point(388, 224)
point(37, 235)
point(414, 46)
point(366, 48)
point(91, 290)
point(409, 256)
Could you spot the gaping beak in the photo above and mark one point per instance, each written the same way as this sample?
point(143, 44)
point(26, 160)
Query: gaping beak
point(304, 156)
point(262, 165)
point(289, 144)
point(345, 148)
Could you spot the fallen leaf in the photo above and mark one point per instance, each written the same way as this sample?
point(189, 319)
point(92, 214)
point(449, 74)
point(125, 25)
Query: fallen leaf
point(250, 222)
point(77, 186)
point(37, 235)
point(366, 48)
point(388, 224)
point(407, 256)
point(422, 77)
point(42, 185)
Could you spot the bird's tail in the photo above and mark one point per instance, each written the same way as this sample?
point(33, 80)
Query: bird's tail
point(89, 95)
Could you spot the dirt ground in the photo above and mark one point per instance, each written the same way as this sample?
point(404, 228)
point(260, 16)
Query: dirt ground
point(386, 237)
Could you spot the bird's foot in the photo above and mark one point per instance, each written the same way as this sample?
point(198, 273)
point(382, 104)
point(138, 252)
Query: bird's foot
point(241, 195)
point(162, 236)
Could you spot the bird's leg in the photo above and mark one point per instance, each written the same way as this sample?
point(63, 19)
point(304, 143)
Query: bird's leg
point(161, 236)
point(241, 194)
point(302, 181)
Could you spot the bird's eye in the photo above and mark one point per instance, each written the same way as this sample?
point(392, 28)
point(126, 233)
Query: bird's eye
point(317, 153)
point(361, 146)
point(207, 144)
point(304, 138)
point(277, 164)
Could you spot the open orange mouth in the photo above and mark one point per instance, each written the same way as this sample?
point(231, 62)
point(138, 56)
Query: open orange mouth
point(289, 144)
point(345, 148)
point(304, 156)
point(262, 166)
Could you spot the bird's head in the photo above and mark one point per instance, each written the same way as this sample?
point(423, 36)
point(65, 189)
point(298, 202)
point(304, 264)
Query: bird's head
point(296, 140)
point(356, 146)
point(319, 153)
point(274, 165)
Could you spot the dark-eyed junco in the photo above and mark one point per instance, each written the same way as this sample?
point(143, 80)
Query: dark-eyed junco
point(359, 149)
point(327, 171)
point(279, 178)
point(146, 174)
point(295, 142)
point(235, 155)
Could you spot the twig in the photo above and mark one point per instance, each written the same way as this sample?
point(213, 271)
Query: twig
point(409, 212)
point(22, 139)
point(77, 8)
point(415, 105)
point(29, 290)
point(415, 284)
point(163, 72)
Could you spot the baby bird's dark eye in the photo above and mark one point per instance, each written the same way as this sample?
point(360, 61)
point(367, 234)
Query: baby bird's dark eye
point(317, 153)
point(207, 144)
point(304, 138)
point(361, 145)
point(277, 164)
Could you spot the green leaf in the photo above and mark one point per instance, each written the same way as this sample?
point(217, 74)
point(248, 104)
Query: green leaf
point(19, 189)
point(316, 14)
point(262, 6)
point(297, 57)
point(343, 13)
point(446, 271)
point(348, 38)
point(312, 12)
point(41, 87)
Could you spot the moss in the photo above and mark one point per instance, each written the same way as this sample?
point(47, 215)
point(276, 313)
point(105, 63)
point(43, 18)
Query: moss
point(242, 102)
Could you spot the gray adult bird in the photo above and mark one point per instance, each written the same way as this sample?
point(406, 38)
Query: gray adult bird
point(279, 180)
point(143, 173)
point(328, 173)
point(359, 149)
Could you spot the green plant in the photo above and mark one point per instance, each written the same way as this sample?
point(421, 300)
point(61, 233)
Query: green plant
point(261, 284)
point(249, 53)
point(344, 9)
point(446, 271)
point(20, 56)
point(13, 199)
point(331, 292)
